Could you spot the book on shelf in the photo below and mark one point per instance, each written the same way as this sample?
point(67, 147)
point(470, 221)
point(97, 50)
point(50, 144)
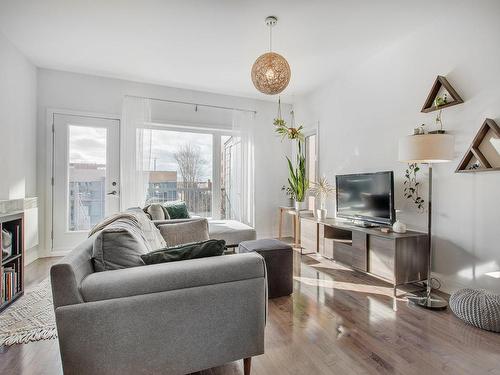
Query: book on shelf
point(10, 285)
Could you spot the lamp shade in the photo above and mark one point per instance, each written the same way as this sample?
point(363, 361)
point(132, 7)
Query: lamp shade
point(426, 148)
point(271, 73)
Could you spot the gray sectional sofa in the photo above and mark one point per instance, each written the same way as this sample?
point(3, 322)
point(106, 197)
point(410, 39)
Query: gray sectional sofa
point(231, 231)
point(170, 318)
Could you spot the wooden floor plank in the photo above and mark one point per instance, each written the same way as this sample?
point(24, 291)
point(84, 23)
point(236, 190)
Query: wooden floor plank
point(338, 321)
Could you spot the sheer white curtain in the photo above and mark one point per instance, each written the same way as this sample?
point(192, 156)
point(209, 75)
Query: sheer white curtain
point(135, 151)
point(243, 178)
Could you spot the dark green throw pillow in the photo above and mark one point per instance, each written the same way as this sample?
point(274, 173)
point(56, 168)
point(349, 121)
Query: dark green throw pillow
point(177, 210)
point(203, 249)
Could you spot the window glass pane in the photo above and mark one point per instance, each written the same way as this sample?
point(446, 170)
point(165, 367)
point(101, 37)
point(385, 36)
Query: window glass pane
point(311, 165)
point(230, 177)
point(87, 176)
point(181, 169)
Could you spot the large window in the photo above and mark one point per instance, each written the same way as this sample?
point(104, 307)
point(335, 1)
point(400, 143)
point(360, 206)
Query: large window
point(195, 166)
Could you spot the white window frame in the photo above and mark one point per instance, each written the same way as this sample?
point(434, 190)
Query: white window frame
point(217, 133)
point(313, 131)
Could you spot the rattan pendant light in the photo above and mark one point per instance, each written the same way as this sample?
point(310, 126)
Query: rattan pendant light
point(271, 72)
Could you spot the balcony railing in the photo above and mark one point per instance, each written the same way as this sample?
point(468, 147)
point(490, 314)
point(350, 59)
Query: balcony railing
point(198, 200)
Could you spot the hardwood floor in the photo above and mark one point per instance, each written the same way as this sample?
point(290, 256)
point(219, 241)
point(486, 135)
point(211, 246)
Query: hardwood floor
point(337, 321)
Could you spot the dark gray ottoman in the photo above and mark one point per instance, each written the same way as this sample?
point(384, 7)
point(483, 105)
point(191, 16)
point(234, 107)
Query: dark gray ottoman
point(279, 264)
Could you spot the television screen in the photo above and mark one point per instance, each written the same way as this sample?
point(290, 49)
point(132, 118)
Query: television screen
point(366, 196)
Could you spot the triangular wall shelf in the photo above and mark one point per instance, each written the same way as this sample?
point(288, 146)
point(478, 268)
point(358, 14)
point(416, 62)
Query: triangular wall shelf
point(484, 152)
point(441, 82)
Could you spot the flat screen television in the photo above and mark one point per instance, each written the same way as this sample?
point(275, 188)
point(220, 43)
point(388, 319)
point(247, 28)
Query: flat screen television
point(366, 197)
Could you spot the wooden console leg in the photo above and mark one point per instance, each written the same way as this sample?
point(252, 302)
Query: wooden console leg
point(247, 364)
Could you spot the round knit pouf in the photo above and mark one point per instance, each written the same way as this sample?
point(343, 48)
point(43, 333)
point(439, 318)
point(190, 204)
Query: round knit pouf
point(477, 307)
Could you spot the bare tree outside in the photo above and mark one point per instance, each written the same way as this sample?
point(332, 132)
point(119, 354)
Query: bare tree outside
point(190, 162)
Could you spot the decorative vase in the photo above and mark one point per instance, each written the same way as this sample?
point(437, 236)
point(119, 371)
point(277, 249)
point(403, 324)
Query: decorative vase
point(399, 227)
point(6, 243)
point(321, 213)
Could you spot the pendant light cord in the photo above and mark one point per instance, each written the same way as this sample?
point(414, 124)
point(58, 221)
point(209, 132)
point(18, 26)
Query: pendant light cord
point(270, 38)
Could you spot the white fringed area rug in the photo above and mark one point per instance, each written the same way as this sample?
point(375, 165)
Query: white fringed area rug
point(30, 318)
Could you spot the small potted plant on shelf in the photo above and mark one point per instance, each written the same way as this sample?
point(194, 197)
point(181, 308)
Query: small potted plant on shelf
point(289, 194)
point(322, 190)
point(438, 103)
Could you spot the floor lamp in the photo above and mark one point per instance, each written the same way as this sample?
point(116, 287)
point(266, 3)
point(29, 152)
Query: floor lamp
point(427, 149)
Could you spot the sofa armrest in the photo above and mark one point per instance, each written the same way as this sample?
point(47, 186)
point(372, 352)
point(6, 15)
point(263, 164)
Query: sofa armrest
point(172, 276)
point(67, 274)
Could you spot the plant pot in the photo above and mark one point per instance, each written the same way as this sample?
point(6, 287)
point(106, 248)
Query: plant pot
point(300, 206)
point(321, 213)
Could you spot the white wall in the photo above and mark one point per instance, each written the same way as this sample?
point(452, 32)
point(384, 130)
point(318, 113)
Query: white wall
point(18, 136)
point(77, 92)
point(364, 112)
point(17, 123)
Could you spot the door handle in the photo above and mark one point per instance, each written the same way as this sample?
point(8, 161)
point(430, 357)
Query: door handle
point(114, 192)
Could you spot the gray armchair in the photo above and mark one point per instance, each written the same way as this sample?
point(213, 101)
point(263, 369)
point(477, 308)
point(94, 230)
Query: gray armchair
point(171, 318)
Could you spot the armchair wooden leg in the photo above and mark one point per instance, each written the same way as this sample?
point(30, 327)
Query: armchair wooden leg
point(247, 364)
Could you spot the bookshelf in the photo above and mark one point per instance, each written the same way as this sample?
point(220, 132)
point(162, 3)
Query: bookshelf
point(11, 258)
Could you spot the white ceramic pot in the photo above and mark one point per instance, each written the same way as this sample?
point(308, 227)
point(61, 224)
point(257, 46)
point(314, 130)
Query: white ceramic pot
point(399, 227)
point(321, 213)
point(299, 206)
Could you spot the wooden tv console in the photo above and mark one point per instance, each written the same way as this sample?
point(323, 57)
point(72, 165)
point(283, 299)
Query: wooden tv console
point(399, 258)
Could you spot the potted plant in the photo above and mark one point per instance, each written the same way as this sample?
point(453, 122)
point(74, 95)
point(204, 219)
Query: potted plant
point(322, 190)
point(297, 179)
point(289, 193)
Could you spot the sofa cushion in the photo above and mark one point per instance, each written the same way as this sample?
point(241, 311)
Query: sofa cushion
point(119, 245)
point(156, 211)
point(177, 209)
point(150, 231)
point(164, 277)
point(232, 231)
point(184, 232)
point(203, 249)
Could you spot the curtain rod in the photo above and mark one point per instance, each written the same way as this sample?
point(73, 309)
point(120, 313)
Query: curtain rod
point(195, 104)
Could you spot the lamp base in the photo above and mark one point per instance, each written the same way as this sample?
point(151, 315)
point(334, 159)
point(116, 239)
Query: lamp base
point(431, 302)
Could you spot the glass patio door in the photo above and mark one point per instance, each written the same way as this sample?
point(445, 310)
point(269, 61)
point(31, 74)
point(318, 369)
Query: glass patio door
point(85, 176)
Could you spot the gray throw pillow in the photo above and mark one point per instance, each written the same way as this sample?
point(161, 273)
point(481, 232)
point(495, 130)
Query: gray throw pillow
point(184, 252)
point(180, 233)
point(119, 245)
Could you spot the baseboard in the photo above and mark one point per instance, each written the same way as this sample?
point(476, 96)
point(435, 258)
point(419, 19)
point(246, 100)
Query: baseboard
point(31, 255)
point(448, 285)
point(56, 253)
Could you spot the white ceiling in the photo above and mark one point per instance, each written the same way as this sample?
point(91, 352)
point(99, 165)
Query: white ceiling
point(208, 45)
